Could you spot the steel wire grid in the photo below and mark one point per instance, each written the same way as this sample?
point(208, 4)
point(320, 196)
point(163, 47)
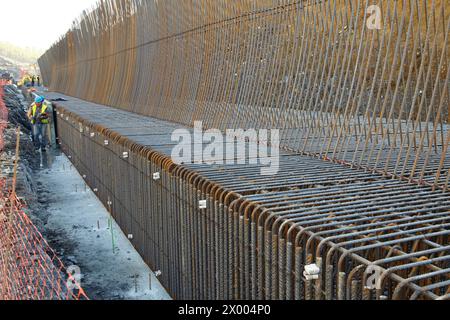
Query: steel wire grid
point(257, 234)
point(372, 99)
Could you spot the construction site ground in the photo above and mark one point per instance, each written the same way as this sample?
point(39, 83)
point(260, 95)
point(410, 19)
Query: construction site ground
point(80, 228)
point(74, 222)
point(300, 177)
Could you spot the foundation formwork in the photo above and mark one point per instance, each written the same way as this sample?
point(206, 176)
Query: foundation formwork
point(257, 234)
point(360, 94)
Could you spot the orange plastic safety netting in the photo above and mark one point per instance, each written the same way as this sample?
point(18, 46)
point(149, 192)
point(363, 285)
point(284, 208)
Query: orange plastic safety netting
point(29, 267)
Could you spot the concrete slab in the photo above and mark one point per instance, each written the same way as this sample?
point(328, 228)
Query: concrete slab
point(81, 229)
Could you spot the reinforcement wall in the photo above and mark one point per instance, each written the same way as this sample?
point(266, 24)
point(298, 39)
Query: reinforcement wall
point(357, 105)
point(376, 98)
point(255, 235)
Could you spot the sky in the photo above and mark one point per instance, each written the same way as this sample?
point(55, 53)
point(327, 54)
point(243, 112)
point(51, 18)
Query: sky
point(38, 23)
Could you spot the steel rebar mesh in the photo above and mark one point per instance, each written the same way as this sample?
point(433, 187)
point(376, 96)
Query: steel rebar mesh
point(258, 233)
point(367, 105)
point(376, 99)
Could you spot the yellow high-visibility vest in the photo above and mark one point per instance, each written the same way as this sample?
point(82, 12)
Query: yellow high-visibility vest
point(33, 112)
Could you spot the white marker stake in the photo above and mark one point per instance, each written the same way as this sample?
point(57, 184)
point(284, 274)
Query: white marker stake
point(202, 204)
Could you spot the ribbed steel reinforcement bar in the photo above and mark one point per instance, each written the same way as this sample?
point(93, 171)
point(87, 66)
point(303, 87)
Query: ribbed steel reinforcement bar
point(257, 234)
point(360, 207)
point(375, 97)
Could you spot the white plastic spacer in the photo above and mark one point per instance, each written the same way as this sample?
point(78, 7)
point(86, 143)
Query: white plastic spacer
point(202, 204)
point(312, 269)
point(156, 176)
point(310, 277)
point(311, 272)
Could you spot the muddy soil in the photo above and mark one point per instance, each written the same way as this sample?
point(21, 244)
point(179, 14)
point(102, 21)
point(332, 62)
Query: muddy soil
point(72, 219)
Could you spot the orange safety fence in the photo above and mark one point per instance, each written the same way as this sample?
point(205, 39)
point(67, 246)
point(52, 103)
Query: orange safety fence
point(29, 268)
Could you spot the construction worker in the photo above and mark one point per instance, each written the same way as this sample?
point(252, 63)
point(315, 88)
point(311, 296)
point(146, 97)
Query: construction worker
point(39, 118)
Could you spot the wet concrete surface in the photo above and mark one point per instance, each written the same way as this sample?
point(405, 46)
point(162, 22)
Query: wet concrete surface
point(79, 228)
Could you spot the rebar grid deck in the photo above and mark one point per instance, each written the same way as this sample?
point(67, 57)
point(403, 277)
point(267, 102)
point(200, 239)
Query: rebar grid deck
point(360, 93)
point(338, 87)
point(258, 233)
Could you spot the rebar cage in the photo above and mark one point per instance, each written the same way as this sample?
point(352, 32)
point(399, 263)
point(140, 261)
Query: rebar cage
point(359, 90)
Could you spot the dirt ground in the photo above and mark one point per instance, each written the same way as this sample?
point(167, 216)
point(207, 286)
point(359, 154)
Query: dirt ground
point(74, 222)
point(79, 227)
